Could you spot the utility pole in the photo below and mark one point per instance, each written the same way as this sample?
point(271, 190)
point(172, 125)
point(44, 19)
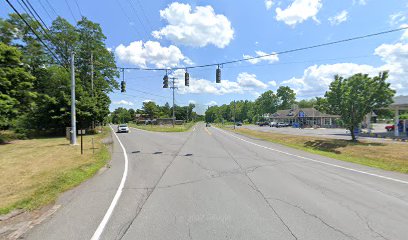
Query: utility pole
point(173, 87)
point(235, 110)
point(92, 87)
point(92, 73)
point(73, 114)
point(188, 106)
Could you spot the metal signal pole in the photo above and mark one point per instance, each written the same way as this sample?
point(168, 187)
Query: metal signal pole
point(173, 87)
point(92, 86)
point(235, 110)
point(73, 114)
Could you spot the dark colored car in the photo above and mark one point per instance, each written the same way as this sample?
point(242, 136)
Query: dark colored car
point(261, 124)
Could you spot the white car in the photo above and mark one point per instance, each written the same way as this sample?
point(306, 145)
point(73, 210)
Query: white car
point(123, 128)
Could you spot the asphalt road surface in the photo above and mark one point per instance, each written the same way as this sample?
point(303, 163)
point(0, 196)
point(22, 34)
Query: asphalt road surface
point(213, 184)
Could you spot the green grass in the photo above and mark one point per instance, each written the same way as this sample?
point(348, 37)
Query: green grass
point(164, 128)
point(46, 168)
point(387, 156)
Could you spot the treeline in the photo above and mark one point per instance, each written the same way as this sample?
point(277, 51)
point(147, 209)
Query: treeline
point(151, 110)
point(35, 83)
point(250, 112)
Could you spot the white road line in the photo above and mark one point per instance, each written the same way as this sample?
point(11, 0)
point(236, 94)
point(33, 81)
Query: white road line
point(314, 160)
point(115, 200)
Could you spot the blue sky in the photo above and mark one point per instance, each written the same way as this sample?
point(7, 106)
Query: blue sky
point(145, 33)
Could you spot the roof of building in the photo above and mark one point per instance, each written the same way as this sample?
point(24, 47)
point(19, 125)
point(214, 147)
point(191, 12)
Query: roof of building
point(400, 102)
point(294, 113)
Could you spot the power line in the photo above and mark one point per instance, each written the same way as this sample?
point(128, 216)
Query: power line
point(79, 9)
point(273, 54)
point(33, 16)
point(138, 18)
point(128, 18)
point(45, 10)
point(34, 32)
point(144, 14)
point(70, 10)
point(52, 8)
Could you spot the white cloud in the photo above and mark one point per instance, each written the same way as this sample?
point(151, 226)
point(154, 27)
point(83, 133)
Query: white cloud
point(299, 11)
point(271, 59)
point(405, 34)
point(211, 103)
point(247, 80)
point(360, 2)
point(192, 102)
point(273, 83)
point(246, 83)
point(395, 57)
point(196, 28)
point(317, 78)
point(151, 52)
point(268, 4)
point(339, 18)
point(147, 100)
point(397, 18)
point(123, 102)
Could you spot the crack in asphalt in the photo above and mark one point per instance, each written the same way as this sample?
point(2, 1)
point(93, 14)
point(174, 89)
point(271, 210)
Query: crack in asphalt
point(324, 191)
point(314, 216)
point(140, 207)
point(256, 189)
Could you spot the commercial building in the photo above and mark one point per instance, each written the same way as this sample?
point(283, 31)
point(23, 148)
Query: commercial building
point(305, 117)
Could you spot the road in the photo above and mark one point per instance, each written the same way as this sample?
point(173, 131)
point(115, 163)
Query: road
point(332, 133)
point(213, 184)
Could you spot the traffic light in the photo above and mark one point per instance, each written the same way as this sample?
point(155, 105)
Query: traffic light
point(123, 86)
point(218, 75)
point(187, 79)
point(166, 81)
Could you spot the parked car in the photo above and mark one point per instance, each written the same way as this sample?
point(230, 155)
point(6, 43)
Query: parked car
point(390, 128)
point(281, 124)
point(208, 125)
point(123, 128)
point(272, 124)
point(261, 124)
point(239, 123)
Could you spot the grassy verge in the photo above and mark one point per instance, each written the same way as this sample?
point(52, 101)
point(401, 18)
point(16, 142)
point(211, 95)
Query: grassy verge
point(387, 156)
point(165, 128)
point(34, 172)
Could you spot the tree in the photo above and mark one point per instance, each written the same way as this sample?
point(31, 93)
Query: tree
point(16, 84)
point(287, 97)
point(151, 109)
point(354, 97)
point(307, 103)
point(266, 103)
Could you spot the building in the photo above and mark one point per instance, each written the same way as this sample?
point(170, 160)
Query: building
point(305, 117)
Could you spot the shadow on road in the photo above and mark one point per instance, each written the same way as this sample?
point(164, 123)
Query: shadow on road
point(333, 145)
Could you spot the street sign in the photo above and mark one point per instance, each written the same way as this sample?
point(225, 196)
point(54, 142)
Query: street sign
point(81, 132)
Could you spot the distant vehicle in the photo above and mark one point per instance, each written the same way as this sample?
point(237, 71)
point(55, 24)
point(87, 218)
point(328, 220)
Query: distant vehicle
point(208, 125)
point(390, 128)
point(281, 124)
point(123, 128)
point(239, 124)
point(261, 124)
point(272, 124)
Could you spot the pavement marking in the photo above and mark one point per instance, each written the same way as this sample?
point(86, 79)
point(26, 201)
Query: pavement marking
point(208, 131)
point(317, 161)
point(115, 200)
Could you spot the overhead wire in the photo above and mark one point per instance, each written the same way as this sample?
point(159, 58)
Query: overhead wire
point(45, 10)
point(138, 18)
point(70, 10)
point(34, 32)
point(272, 54)
point(79, 9)
point(52, 8)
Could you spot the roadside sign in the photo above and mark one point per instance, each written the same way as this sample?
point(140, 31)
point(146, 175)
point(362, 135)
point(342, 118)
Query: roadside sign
point(81, 132)
point(301, 114)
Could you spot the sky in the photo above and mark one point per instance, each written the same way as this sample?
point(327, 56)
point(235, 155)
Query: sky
point(166, 34)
